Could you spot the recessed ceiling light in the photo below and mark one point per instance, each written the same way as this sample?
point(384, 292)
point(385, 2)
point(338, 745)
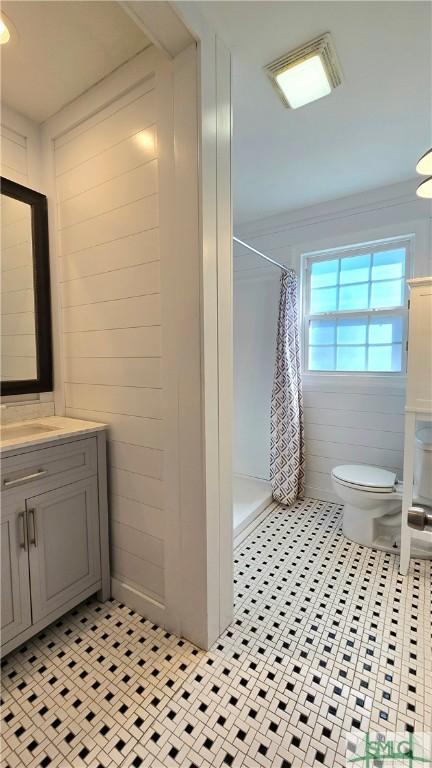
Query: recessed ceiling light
point(424, 165)
point(4, 30)
point(306, 74)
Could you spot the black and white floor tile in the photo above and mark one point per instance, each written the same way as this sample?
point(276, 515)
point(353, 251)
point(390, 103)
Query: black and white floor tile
point(327, 639)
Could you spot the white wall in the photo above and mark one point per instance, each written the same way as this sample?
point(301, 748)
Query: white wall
point(20, 162)
point(126, 298)
point(127, 239)
point(14, 151)
point(106, 364)
point(350, 418)
point(255, 319)
point(107, 218)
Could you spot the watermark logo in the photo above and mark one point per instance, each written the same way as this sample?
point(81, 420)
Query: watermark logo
point(389, 750)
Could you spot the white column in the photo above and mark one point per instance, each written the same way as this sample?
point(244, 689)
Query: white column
point(408, 479)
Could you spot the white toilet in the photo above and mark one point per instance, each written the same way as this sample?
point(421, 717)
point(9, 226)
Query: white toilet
point(373, 497)
point(368, 493)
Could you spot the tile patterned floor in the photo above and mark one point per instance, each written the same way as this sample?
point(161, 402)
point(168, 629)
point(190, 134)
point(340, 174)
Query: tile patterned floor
point(327, 638)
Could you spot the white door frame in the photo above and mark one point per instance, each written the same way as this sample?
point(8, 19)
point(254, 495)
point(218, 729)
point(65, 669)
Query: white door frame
point(199, 537)
point(214, 120)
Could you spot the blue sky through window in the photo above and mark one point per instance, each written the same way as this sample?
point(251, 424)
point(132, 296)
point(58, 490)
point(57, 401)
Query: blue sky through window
point(362, 284)
point(345, 344)
point(367, 281)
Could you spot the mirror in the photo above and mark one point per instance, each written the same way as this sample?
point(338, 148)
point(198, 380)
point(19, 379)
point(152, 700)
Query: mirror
point(26, 347)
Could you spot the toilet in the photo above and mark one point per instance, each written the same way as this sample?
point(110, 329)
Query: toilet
point(368, 493)
point(373, 496)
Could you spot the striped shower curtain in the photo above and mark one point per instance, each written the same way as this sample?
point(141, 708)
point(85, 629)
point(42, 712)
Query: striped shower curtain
point(287, 455)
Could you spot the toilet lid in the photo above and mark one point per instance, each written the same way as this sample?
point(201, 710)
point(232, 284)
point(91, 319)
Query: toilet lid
point(369, 478)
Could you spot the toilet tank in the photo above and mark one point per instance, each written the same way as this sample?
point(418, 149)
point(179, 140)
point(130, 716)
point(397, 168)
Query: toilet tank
point(423, 462)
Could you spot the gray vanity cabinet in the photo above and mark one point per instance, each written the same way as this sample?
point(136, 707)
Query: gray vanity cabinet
point(54, 534)
point(15, 585)
point(64, 551)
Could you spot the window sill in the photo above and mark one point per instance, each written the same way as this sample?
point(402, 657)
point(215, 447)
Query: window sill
point(339, 380)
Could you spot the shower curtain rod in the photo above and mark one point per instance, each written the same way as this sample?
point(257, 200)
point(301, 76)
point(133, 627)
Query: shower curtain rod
point(262, 255)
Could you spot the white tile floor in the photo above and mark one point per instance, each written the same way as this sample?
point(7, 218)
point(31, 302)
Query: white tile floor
point(327, 638)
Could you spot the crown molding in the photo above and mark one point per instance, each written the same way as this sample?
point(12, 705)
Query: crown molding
point(370, 201)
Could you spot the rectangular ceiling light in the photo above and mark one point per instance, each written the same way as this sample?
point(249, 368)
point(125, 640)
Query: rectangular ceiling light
point(307, 73)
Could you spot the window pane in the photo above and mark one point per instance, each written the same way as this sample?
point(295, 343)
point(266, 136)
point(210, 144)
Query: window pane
point(323, 300)
point(351, 359)
point(321, 358)
point(387, 359)
point(387, 294)
point(322, 331)
point(385, 330)
point(353, 296)
point(355, 269)
point(345, 290)
point(324, 273)
point(351, 331)
point(388, 264)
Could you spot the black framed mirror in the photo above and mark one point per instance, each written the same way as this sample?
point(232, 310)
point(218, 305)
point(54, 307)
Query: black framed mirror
point(26, 333)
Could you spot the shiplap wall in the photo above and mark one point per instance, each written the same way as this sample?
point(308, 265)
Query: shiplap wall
point(107, 193)
point(349, 424)
point(347, 419)
point(14, 155)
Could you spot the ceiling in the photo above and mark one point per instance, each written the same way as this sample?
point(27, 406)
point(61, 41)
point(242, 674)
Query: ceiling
point(59, 49)
point(366, 134)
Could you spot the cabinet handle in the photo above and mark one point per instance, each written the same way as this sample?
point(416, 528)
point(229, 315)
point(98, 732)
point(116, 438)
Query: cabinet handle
point(23, 530)
point(32, 517)
point(18, 480)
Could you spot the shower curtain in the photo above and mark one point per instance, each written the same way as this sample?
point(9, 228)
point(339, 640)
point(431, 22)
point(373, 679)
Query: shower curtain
point(287, 458)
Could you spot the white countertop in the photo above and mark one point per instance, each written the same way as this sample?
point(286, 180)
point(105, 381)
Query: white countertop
point(58, 428)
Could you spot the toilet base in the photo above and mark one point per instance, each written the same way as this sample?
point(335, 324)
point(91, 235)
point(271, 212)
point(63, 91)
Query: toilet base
point(380, 533)
point(371, 527)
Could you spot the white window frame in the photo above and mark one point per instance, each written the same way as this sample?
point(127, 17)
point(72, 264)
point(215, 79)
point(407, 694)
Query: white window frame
point(311, 257)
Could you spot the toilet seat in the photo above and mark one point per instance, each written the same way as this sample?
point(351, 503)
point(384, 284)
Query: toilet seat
point(365, 478)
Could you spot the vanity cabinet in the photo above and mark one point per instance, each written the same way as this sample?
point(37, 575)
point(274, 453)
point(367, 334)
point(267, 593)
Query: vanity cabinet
point(63, 545)
point(15, 583)
point(54, 534)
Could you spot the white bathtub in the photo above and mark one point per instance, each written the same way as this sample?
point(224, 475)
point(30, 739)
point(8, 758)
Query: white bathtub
point(250, 497)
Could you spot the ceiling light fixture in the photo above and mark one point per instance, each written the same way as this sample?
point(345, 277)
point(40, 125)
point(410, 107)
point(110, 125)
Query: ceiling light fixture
point(424, 168)
point(4, 30)
point(424, 165)
point(425, 189)
point(306, 74)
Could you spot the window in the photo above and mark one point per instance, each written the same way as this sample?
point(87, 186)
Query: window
point(355, 309)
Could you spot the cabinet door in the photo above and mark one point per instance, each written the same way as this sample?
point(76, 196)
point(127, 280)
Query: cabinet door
point(15, 587)
point(64, 550)
point(419, 369)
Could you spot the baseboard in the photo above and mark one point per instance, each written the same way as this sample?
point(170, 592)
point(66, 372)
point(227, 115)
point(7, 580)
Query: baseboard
point(141, 603)
point(321, 495)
